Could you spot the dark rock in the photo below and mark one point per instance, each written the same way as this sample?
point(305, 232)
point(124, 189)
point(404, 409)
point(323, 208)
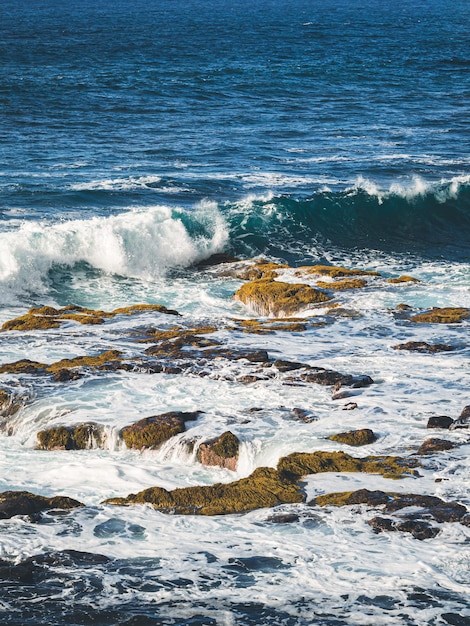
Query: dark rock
point(217, 259)
point(422, 346)
point(432, 506)
point(64, 375)
point(248, 379)
point(287, 366)
point(303, 416)
point(463, 421)
point(283, 518)
point(151, 432)
point(222, 451)
point(9, 404)
point(435, 445)
point(24, 503)
point(419, 529)
point(257, 356)
point(380, 524)
point(440, 421)
point(349, 406)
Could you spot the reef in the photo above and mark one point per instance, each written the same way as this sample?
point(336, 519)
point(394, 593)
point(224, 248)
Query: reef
point(278, 299)
point(151, 432)
point(361, 437)
point(25, 503)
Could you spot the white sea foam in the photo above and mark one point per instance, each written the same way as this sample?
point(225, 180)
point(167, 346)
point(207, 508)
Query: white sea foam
point(142, 243)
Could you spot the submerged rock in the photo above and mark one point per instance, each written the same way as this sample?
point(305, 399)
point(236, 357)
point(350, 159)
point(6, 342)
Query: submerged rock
point(222, 451)
point(422, 346)
point(151, 432)
point(265, 487)
point(361, 437)
point(9, 403)
point(463, 420)
point(278, 299)
point(418, 528)
point(25, 503)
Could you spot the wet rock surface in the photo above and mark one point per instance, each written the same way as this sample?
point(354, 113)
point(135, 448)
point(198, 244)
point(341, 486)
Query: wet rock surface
point(25, 503)
point(151, 432)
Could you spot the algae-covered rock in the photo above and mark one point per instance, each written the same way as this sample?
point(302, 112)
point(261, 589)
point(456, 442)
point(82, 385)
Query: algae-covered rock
point(79, 437)
point(46, 317)
point(403, 279)
point(423, 346)
point(333, 271)
point(253, 269)
point(57, 438)
point(100, 360)
point(278, 299)
point(221, 451)
point(361, 437)
point(342, 285)
point(9, 403)
point(263, 488)
point(446, 315)
point(25, 503)
point(417, 528)
point(25, 366)
point(300, 464)
point(151, 432)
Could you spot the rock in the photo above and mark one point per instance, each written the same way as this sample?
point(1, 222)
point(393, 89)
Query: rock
point(403, 279)
point(333, 271)
point(217, 259)
point(65, 374)
point(360, 496)
point(265, 487)
point(463, 421)
point(302, 415)
point(24, 503)
point(222, 451)
point(151, 432)
point(418, 528)
point(342, 285)
point(248, 379)
point(287, 366)
point(435, 445)
point(360, 437)
point(440, 421)
point(267, 297)
point(349, 406)
point(79, 437)
point(422, 346)
point(446, 315)
point(300, 464)
point(9, 404)
point(253, 269)
point(284, 518)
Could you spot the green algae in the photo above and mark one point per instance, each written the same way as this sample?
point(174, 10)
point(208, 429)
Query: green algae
point(279, 299)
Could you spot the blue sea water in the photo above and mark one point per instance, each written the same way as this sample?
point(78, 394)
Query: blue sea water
point(139, 138)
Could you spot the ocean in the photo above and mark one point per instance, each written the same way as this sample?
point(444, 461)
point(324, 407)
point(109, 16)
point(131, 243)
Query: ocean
point(138, 140)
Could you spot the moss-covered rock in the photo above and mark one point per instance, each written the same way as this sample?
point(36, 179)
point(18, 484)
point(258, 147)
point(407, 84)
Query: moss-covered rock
point(25, 503)
point(98, 361)
point(333, 271)
point(403, 279)
point(300, 464)
point(342, 285)
point(25, 366)
point(221, 451)
point(278, 299)
point(46, 317)
point(151, 432)
point(263, 488)
point(56, 438)
point(79, 437)
point(266, 327)
point(361, 437)
point(446, 315)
